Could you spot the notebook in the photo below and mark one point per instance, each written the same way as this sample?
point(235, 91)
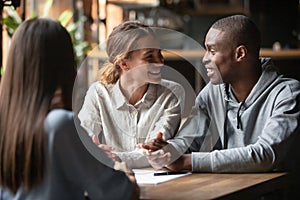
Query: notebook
point(146, 176)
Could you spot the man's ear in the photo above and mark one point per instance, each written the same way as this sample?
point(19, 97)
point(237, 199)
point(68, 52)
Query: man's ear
point(240, 52)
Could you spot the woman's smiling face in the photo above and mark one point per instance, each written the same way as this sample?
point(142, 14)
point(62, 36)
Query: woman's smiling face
point(147, 62)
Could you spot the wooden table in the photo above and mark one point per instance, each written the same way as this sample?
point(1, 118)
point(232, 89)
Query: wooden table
point(216, 186)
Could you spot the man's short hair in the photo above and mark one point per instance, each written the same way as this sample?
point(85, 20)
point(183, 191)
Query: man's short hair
point(241, 31)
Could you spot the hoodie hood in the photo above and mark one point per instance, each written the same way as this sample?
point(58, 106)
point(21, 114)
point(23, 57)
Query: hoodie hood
point(267, 81)
point(268, 78)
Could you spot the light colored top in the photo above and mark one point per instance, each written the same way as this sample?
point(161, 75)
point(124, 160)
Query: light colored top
point(107, 113)
point(250, 136)
point(71, 169)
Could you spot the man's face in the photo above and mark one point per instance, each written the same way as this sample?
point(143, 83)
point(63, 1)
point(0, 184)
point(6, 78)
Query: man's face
point(219, 56)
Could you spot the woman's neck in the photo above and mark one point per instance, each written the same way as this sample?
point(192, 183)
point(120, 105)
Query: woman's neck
point(138, 94)
point(133, 91)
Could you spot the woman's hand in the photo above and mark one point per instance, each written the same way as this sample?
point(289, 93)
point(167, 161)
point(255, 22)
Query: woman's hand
point(158, 159)
point(108, 149)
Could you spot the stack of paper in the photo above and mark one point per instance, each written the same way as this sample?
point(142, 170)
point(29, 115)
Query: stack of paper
point(146, 176)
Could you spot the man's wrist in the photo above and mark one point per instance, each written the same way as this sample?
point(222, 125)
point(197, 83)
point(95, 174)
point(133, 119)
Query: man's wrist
point(187, 161)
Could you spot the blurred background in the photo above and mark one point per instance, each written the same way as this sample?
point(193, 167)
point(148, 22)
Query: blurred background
point(91, 21)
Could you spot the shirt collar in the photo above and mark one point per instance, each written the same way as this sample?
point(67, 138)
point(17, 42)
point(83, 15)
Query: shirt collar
point(119, 100)
point(150, 96)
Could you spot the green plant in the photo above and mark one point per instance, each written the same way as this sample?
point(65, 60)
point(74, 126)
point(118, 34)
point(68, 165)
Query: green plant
point(81, 47)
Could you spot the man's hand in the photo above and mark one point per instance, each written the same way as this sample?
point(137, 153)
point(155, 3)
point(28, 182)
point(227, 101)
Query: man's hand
point(155, 144)
point(158, 159)
point(154, 152)
point(184, 162)
point(108, 149)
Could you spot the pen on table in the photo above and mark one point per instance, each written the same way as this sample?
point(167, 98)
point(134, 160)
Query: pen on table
point(168, 173)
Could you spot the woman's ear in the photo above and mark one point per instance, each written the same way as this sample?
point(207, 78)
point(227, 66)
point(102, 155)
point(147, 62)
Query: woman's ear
point(123, 64)
point(240, 52)
point(57, 101)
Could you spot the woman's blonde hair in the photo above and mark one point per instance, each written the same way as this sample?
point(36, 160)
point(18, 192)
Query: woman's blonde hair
point(120, 43)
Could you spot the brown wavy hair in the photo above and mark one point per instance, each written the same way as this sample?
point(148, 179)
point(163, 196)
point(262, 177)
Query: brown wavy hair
point(120, 43)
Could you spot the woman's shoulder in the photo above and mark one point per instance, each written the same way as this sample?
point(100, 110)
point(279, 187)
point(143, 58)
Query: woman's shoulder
point(59, 119)
point(172, 86)
point(166, 83)
point(97, 86)
point(100, 88)
point(59, 115)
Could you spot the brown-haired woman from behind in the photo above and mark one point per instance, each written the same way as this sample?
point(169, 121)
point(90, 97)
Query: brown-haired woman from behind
point(41, 154)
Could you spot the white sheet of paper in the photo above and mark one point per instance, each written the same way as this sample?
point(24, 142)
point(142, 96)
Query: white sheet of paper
point(146, 176)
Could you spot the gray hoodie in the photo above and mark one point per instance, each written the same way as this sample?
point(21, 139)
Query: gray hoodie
point(225, 135)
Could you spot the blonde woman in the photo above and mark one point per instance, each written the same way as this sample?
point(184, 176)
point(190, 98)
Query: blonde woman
point(131, 103)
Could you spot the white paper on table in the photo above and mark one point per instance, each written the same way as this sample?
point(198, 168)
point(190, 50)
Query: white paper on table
point(146, 176)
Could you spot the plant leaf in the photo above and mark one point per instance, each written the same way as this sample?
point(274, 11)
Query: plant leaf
point(10, 25)
point(65, 17)
point(11, 11)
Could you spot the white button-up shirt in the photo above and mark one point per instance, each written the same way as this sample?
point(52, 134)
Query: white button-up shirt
point(107, 113)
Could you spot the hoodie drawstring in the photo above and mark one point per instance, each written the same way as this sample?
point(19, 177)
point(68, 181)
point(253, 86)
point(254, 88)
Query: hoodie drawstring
point(227, 97)
point(238, 118)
